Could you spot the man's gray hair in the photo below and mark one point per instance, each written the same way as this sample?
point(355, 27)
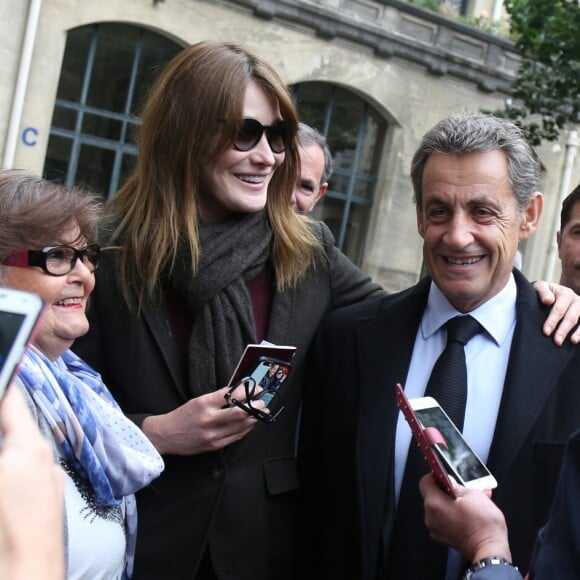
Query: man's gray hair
point(308, 136)
point(464, 133)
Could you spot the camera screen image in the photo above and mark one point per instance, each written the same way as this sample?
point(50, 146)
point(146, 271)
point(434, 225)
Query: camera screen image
point(269, 375)
point(9, 326)
point(458, 456)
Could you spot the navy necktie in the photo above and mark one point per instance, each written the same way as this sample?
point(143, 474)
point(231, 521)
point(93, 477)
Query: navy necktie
point(448, 385)
point(448, 381)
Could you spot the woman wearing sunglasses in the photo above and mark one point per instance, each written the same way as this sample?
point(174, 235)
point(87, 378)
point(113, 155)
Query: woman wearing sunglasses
point(207, 257)
point(47, 237)
point(210, 257)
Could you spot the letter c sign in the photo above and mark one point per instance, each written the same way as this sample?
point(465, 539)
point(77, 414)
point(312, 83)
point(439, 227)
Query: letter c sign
point(29, 136)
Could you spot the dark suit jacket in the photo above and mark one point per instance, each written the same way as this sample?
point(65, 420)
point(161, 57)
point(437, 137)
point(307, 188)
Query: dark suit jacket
point(557, 552)
point(348, 429)
point(243, 500)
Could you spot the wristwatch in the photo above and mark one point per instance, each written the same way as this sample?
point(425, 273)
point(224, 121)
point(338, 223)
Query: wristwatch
point(491, 561)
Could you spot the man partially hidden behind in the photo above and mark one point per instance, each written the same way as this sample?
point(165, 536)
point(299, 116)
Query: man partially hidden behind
point(568, 239)
point(316, 167)
point(476, 184)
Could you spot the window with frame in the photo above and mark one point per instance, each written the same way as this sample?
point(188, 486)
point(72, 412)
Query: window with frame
point(106, 72)
point(355, 133)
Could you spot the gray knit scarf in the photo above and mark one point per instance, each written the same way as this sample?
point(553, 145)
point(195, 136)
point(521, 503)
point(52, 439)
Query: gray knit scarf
point(232, 253)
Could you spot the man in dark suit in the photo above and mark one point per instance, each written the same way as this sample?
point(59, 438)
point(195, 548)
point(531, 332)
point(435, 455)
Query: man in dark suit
point(476, 182)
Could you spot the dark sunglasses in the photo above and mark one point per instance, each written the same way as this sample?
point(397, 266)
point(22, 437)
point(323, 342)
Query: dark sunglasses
point(251, 132)
point(56, 260)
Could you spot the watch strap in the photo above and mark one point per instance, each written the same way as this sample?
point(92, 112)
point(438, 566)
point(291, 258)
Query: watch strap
point(487, 562)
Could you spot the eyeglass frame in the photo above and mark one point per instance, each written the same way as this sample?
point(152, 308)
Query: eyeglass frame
point(246, 406)
point(25, 258)
point(279, 126)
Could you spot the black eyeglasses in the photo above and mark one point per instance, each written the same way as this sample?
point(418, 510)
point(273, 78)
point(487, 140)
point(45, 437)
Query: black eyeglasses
point(254, 393)
point(251, 132)
point(56, 260)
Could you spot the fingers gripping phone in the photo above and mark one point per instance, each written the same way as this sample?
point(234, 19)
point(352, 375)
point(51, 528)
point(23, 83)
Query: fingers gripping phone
point(20, 313)
point(443, 445)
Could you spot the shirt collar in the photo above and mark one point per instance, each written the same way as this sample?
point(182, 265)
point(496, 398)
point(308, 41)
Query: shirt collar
point(497, 315)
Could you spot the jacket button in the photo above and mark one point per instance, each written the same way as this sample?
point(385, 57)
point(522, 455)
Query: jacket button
point(217, 474)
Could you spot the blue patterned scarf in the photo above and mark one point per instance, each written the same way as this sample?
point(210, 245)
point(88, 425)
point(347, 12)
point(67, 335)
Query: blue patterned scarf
point(82, 415)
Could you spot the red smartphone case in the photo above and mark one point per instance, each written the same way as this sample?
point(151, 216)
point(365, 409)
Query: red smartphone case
point(425, 438)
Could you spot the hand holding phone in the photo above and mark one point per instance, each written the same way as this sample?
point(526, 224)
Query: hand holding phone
point(20, 313)
point(443, 445)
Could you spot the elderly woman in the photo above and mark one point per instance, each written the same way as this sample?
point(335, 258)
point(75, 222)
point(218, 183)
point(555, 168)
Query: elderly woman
point(47, 235)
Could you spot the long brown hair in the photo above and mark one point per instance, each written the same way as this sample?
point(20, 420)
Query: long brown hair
point(192, 113)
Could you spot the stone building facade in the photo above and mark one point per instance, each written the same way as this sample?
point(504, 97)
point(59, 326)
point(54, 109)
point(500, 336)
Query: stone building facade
point(373, 75)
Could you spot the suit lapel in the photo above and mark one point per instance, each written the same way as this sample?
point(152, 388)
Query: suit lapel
point(282, 317)
point(157, 320)
point(384, 347)
point(535, 364)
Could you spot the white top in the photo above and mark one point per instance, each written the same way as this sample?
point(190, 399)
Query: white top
point(95, 541)
point(96, 536)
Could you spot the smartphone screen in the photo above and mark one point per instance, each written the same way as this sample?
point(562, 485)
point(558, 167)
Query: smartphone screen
point(461, 461)
point(10, 323)
point(19, 314)
point(269, 375)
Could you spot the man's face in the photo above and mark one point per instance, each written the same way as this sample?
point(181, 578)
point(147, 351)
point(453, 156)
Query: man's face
point(309, 190)
point(471, 225)
point(569, 250)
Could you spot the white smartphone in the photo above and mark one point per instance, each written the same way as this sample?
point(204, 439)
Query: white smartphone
point(456, 455)
point(20, 314)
